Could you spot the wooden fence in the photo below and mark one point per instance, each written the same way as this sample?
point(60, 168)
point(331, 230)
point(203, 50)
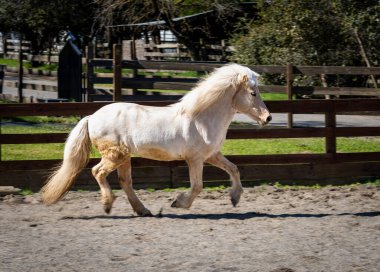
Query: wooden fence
point(169, 83)
point(138, 81)
point(292, 168)
point(172, 51)
point(11, 49)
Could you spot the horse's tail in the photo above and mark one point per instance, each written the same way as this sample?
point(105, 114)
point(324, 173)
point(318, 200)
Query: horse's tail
point(76, 154)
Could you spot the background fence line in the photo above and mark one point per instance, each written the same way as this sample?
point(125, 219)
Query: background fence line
point(307, 168)
point(296, 168)
point(137, 81)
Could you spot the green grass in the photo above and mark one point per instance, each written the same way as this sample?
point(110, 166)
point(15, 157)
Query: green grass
point(230, 147)
point(26, 192)
point(215, 188)
point(10, 62)
point(317, 186)
point(53, 120)
point(301, 145)
point(34, 128)
point(32, 152)
point(27, 64)
point(274, 96)
point(362, 144)
point(42, 124)
point(273, 146)
point(48, 67)
point(36, 151)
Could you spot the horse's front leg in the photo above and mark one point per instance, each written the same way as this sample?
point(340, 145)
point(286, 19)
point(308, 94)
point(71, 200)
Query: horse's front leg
point(125, 181)
point(221, 162)
point(184, 200)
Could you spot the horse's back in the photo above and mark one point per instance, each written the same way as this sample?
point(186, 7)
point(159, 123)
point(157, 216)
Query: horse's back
point(119, 114)
point(132, 124)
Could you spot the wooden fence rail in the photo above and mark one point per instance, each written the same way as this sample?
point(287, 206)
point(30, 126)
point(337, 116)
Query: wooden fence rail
point(11, 50)
point(188, 83)
point(324, 167)
point(289, 72)
point(173, 51)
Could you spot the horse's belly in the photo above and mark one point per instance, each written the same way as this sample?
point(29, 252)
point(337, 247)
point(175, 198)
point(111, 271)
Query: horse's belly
point(158, 154)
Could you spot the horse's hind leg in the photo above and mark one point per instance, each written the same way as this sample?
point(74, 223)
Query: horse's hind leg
point(221, 162)
point(125, 180)
point(100, 172)
point(112, 157)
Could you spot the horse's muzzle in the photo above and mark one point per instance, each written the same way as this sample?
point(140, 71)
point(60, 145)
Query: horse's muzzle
point(265, 121)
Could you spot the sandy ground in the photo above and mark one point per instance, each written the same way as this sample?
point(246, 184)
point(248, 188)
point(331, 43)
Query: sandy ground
point(328, 229)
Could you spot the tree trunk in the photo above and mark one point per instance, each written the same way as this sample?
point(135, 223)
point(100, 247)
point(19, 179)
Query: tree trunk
point(193, 46)
point(363, 53)
point(324, 84)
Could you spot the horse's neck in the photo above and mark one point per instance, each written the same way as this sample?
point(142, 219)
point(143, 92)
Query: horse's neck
point(217, 115)
point(216, 118)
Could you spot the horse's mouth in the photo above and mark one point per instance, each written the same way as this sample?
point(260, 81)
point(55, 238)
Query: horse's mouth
point(266, 121)
point(262, 124)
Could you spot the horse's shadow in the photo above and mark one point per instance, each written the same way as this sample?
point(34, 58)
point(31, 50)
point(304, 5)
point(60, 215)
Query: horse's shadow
point(219, 216)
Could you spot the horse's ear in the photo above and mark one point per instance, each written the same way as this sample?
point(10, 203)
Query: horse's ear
point(242, 80)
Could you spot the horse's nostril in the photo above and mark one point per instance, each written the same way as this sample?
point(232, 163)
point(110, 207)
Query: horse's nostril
point(269, 118)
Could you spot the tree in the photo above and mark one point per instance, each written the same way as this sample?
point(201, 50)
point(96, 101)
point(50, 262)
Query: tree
point(326, 32)
point(41, 21)
point(113, 12)
point(312, 33)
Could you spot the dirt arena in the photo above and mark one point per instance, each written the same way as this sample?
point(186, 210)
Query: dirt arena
point(328, 229)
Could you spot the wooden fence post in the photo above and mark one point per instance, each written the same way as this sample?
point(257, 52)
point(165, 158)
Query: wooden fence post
point(117, 76)
point(5, 51)
point(289, 90)
point(90, 70)
point(20, 73)
point(2, 74)
point(134, 57)
point(330, 122)
point(1, 120)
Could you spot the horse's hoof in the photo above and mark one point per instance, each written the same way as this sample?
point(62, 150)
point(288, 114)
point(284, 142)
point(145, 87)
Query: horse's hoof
point(107, 203)
point(107, 209)
point(143, 212)
point(181, 202)
point(235, 196)
point(174, 204)
point(146, 213)
point(234, 202)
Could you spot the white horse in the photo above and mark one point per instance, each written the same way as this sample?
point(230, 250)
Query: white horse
point(192, 129)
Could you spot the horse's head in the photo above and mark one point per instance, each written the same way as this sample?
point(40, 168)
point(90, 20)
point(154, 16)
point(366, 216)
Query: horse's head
point(247, 98)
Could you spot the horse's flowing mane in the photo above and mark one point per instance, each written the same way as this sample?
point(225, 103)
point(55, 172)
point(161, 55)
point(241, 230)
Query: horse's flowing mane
point(214, 87)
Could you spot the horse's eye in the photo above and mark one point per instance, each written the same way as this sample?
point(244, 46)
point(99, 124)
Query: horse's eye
point(253, 93)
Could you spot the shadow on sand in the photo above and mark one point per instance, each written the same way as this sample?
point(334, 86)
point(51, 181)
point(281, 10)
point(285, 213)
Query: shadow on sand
point(235, 216)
